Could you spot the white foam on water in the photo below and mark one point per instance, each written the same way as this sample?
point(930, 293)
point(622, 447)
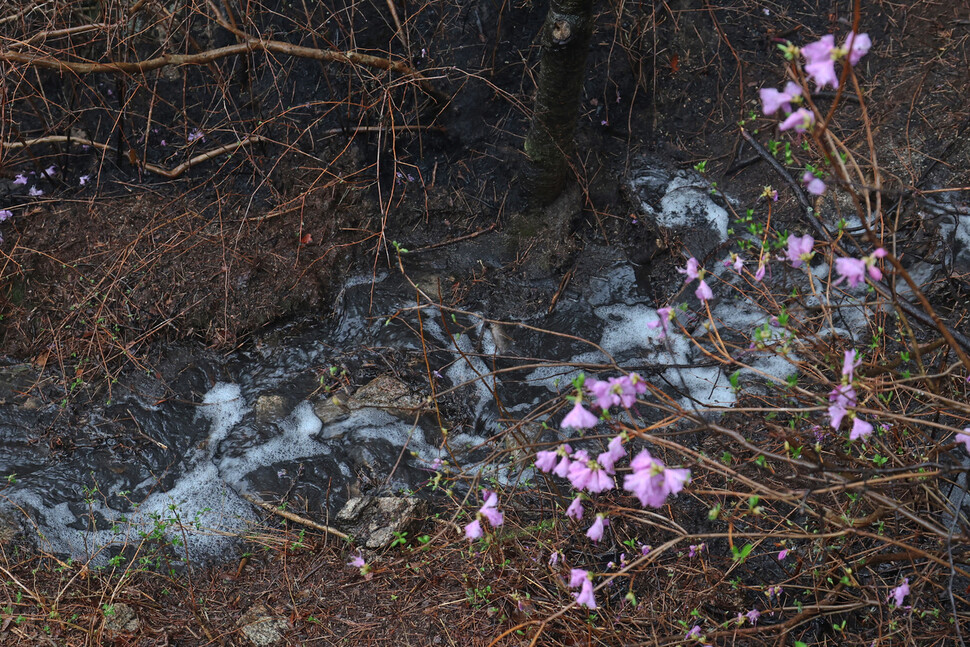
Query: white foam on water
point(298, 440)
point(626, 327)
point(706, 387)
point(224, 407)
point(468, 368)
point(769, 368)
point(687, 197)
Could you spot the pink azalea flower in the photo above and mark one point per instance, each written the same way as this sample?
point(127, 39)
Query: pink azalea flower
point(20, 179)
point(357, 561)
point(474, 530)
point(900, 592)
point(614, 452)
point(694, 633)
point(774, 591)
point(617, 391)
point(645, 549)
point(650, 482)
point(664, 317)
point(820, 61)
point(813, 185)
point(642, 482)
point(562, 469)
point(836, 414)
point(576, 577)
point(579, 418)
point(585, 595)
point(774, 99)
point(554, 558)
point(760, 273)
point(196, 134)
point(703, 291)
point(575, 509)
point(858, 46)
point(964, 438)
point(674, 479)
point(735, 262)
point(860, 429)
point(623, 391)
point(800, 249)
point(595, 532)
point(691, 270)
point(850, 364)
point(601, 392)
point(753, 616)
point(599, 480)
point(871, 266)
point(490, 510)
point(546, 460)
point(639, 384)
point(34, 191)
point(852, 270)
point(801, 120)
point(843, 395)
point(579, 471)
point(782, 554)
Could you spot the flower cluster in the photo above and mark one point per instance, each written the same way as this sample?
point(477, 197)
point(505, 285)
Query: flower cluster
point(820, 59)
point(800, 250)
point(843, 398)
point(652, 482)
point(582, 580)
point(853, 270)
point(695, 271)
point(489, 511)
point(615, 391)
point(821, 56)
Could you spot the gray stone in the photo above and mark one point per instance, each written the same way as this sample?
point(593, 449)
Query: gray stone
point(330, 409)
point(262, 629)
point(374, 521)
point(15, 381)
point(121, 618)
point(384, 392)
point(269, 407)
point(9, 528)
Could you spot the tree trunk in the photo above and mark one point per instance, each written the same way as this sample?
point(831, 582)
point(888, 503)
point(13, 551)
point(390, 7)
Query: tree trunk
point(565, 42)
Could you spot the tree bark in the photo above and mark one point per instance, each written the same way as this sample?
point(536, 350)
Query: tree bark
point(565, 42)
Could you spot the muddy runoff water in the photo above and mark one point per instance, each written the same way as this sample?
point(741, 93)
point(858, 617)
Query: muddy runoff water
point(176, 455)
point(318, 413)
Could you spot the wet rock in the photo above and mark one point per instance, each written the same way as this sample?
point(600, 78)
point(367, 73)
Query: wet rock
point(261, 628)
point(269, 407)
point(9, 528)
point(373, 522)
point(388, 393)
point(15, 381)
point(121, 618)
point(384, 392)
point(680, 204)
point(330, 409)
